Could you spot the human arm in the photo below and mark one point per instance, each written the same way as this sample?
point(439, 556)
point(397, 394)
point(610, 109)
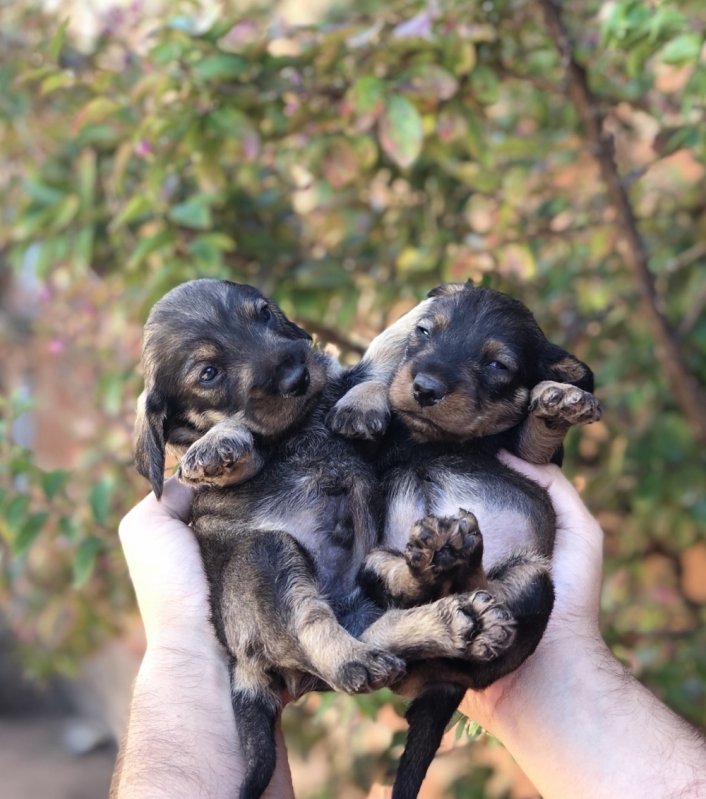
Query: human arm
point(181, 738)
point(573, 718)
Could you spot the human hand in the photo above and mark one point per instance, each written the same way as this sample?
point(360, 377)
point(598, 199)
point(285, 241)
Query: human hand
point(572, 630)
point(166, 569)
point(182, 738)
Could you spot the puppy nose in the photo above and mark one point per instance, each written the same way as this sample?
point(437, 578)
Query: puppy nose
point(428, 390)
point(293, 380)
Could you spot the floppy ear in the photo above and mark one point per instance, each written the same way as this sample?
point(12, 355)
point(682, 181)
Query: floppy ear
point(559, 365)
point(449, 288)
point(149, 438)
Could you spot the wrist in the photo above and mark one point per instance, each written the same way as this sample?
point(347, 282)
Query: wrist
point(560, 669)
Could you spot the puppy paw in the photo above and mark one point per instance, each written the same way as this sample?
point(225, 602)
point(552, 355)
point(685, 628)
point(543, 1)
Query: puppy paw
point(481, 627)
point(440, 546)
point(369, 670)
point(562, 403)
point(364, 412)
point(369, 425)
point(223, 456)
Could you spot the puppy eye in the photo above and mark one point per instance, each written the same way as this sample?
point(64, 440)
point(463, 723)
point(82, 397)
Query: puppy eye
point(264, 312)
point(423, 330)
point(498, 365)
point(209, 374)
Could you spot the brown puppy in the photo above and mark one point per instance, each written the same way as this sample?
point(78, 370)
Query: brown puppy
point(477, 375)
point(234, 387)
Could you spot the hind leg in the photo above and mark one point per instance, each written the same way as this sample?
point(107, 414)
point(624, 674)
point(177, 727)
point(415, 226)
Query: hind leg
point(286, 625)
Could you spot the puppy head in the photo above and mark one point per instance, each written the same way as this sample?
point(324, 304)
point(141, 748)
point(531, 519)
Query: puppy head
point(471, 363)
point(212, 349)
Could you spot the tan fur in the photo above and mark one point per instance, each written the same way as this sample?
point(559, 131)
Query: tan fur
point(365, 410)
point(225, 455)
point(467, 626)
point(554, 408)
point(456, 417)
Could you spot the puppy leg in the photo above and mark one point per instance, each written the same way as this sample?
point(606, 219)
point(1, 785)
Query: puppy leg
point(443, 556)
point(274, 615)
point(364, 412)
point(225, 455)
point(523, 585)
point(473, 626)
point(554, 408)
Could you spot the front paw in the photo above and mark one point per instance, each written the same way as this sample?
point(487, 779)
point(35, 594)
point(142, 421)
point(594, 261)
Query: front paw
point(439, 547)
point(562, 403)
point(220, 458)
point(364, 412)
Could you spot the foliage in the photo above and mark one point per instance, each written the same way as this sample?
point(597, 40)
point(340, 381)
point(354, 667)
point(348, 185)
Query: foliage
point(345, 169)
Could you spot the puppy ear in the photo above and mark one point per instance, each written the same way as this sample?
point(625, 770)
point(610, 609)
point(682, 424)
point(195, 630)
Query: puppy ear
point(559, 365)
point(449, 288)
point(149, 438)
point(298, 331)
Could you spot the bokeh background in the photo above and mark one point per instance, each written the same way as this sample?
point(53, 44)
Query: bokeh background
point(345, 159)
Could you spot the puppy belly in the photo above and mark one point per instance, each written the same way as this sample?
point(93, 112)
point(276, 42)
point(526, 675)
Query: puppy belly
point(504, 517)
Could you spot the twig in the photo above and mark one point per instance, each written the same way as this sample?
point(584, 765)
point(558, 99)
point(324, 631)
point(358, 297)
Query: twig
point(332, 337)
point(687, 257)
point(691, 317)
point(687, 392)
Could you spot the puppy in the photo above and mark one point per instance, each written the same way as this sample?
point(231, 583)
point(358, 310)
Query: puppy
point(285, 513)
point(477, 375)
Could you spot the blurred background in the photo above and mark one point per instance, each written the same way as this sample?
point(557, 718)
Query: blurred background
point(345, 158)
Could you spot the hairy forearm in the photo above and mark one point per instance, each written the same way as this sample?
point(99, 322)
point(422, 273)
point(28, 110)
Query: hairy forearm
point(181, 738)
point(593, 732)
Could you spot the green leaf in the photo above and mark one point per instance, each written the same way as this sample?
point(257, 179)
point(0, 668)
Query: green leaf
point(100, 499)
point(95, 111)
point(400, 131)
point(68, 528)
point(16, 510)
point(53, 482)
point(365, 100)
point(220, 66)
point(85, 560)
point(194, 213)
point(230, 122)
point(149, 245)
point(683, 50)
point(65, 212)
point(484, 84)
point(57, 81)
point(57, 41)
point(28, 533)
point(138, 206)
point(429, 82)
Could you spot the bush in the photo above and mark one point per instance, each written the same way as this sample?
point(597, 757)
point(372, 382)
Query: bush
point(345, 169)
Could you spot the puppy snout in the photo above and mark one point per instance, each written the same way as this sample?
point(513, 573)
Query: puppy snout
point(293, 377)
point(428, 390)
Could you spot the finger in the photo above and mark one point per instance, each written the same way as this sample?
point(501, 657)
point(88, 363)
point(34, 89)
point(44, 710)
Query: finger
point(176, 499)
point(544, 475)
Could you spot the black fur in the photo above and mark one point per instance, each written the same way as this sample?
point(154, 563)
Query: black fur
point(281, 550)
point(465, 389)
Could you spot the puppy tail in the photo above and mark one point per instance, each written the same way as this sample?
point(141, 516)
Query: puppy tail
point(256, 710)
point(428, 717)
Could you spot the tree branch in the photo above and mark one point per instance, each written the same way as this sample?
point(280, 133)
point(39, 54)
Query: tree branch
point(332, 337)
point(685, 389)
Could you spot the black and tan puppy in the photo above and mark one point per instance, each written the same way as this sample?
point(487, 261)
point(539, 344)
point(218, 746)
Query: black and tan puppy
point(234, 389)
point(477, 375)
